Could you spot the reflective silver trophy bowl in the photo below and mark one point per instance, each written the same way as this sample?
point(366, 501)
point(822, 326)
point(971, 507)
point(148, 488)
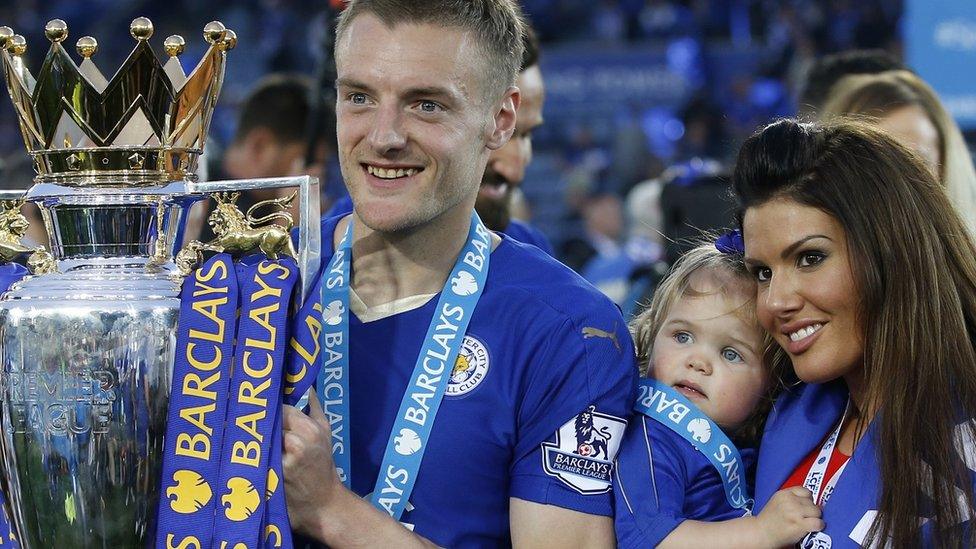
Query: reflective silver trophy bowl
point(87, 342)
point(87, 355)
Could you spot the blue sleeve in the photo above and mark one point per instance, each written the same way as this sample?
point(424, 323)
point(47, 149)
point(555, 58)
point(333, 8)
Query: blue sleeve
point(650, 483)
point(573, 415)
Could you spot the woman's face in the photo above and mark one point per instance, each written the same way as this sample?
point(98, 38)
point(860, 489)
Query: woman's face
point(913, 128)
point(807, 298)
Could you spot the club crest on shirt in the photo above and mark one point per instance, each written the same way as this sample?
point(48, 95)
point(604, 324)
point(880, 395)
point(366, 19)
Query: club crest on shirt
point(470, 369)
point(582, 456)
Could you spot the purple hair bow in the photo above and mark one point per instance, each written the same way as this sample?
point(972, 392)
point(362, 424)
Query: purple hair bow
point(731, 243)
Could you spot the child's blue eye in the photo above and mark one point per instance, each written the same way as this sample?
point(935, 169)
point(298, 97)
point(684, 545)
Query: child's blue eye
point(682, 337)
point(731, 355)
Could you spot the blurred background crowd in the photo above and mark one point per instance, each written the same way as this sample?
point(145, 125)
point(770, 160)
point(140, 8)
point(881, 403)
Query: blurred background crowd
point(646, 101)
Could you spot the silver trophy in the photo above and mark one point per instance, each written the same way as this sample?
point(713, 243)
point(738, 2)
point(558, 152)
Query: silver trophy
point(87, 341)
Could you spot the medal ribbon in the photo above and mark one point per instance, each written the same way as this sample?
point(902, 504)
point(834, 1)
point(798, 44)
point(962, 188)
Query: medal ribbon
point(432, 370)
point(198, 404)
point(255, 400)
point(814, 480)
point(671, 409)
point(332, 379)
point(303, 349)
point(277, 528)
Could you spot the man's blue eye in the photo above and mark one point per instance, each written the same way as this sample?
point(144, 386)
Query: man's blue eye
point(429, 106)
point(357, 98)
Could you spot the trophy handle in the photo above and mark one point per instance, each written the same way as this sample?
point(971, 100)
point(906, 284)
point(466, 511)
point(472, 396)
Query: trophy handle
point(13, 227)
point(309, 236)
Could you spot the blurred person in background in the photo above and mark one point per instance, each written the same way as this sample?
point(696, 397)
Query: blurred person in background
point(506, 166)
point(603, 228)
point(270, 136)
point(906, 107)
point(270, 141)
point(830, 69)
point(644, 248)
point(667, 216)
point(705, 133)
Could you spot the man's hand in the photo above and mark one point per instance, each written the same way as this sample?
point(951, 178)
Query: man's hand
point(311, 481)
point(788, 516)
point(319, 505)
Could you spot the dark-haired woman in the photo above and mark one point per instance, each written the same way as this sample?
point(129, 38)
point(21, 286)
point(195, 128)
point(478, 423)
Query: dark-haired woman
point(867, 278)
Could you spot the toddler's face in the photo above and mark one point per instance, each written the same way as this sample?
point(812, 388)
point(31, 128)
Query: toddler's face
point(709, 349)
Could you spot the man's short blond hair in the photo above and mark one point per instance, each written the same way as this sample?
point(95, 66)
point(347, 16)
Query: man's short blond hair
point(498, 25)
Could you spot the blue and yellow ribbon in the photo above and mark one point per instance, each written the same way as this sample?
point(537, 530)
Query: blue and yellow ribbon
point(198, 405)
point(255, 402)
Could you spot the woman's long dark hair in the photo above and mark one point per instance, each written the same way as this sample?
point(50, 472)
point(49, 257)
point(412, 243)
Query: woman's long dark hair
point(915, 273)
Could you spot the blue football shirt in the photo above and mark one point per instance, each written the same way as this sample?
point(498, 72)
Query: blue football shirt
point(661, 480)
point(535, 409)
point(801, 419)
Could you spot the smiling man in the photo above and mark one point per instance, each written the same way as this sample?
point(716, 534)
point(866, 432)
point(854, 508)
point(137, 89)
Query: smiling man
point(506, 167)
point(474, 389)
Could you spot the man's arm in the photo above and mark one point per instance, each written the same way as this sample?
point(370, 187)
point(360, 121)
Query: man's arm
point(538, 525)
point(319, 505)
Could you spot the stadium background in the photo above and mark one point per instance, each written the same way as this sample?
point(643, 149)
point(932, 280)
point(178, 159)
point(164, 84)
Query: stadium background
point(634, 87)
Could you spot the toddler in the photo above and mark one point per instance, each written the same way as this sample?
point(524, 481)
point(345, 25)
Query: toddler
point(708, 379)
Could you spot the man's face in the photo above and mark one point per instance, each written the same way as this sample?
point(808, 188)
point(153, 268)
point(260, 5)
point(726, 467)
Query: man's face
point(506, 166)
point(415, 121)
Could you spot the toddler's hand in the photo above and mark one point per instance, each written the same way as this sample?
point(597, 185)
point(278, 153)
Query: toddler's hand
point(789, 515)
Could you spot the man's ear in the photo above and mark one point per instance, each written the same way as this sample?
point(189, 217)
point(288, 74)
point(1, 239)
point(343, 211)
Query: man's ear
point(504, 118)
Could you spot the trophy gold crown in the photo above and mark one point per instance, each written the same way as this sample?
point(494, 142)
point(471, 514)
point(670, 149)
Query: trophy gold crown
point(146, 125)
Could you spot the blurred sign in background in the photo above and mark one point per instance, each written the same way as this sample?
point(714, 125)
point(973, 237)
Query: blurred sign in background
point(940, 44)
